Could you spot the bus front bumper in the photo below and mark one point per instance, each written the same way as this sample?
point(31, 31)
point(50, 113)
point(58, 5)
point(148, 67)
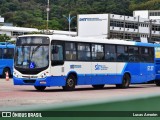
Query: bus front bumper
point(48, 81)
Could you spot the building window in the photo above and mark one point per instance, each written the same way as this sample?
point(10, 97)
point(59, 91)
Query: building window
point(155, 28)
point(154, 14)
point(116, 35)
point(131, 25)
point(115, 23)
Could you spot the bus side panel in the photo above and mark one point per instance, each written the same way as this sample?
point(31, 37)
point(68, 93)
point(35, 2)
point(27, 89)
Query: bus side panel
point(84, 79)
point(134, 70)
point(157, 72)
point(6, 63)
point(147, 72)
point(140, 72)
point(81, 69)
point(104, 73)
point(56, 81)
point(157, 68)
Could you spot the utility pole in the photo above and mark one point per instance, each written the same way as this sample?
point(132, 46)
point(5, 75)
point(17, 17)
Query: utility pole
point(150, 29)
point(47, 14)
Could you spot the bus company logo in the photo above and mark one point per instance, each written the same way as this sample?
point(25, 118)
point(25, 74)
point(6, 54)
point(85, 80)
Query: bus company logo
point(91, 19)
point(100, 67)
point(75, 66)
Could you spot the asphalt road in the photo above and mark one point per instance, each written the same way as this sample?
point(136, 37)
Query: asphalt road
point(22, 96)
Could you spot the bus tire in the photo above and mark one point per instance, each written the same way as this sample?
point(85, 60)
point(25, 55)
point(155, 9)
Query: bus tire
point(70, 83)
point(157, 82)
point(98, 86)
point(40, 88)
point(4, 72)
point(125, 82)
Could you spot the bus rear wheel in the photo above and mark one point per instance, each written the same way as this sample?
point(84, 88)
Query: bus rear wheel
point(40, 88)
point(4, 72)
point(157, 82)
point(98, 86)
point(125, 82)
point(70, 83)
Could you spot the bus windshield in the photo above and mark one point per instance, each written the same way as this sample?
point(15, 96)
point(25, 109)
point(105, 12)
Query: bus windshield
point(32, 56)
point(32, 52)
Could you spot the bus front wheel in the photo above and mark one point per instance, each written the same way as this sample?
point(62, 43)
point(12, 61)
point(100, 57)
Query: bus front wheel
point(70, 83)
point(125, 82)
point(40, 88)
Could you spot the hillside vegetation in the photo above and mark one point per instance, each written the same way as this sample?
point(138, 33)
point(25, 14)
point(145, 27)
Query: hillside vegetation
point(32, 13)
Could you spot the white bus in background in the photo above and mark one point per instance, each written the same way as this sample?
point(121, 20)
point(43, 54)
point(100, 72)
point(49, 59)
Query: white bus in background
point(57, 60)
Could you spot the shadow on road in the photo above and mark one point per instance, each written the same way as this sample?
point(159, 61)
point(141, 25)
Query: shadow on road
point(87, 88)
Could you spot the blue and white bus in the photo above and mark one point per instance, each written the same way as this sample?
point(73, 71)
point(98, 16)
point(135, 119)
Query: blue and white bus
point(6, 58)
point(56, 60)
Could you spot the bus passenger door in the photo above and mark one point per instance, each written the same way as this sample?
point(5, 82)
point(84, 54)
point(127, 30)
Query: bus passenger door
point(57, 64)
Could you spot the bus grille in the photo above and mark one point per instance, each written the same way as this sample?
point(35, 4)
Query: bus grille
point(157, 62)
point(29, 81)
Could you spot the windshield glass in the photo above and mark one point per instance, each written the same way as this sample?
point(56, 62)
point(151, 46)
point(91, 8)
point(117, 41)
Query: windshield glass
point(32, 57)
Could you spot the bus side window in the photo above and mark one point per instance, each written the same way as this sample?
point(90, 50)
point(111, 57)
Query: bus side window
point(8, 53)
point(110, 53)
point(122, 53)
point(70, 51)
point(57, 52)
point(84, 52)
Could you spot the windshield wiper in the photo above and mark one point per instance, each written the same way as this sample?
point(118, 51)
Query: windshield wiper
point(34, 50)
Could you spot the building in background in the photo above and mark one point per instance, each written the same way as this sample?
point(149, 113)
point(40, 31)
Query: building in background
point(149, 14)
point(13, 32)
point(138, 27)
point(143, 26)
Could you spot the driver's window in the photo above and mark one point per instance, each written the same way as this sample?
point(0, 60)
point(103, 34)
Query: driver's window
point(57, 51)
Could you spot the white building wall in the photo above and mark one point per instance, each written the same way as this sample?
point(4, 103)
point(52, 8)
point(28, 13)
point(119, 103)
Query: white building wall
point(141, 13)
point(130, 18)
point(144, 40)
point(154, 17)
point(8, 33)
point(146, 14)
point(1, 19)
point(118, 17)
point(144, 30)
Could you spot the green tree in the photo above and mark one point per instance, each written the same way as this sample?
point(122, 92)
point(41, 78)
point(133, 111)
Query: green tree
point(32, 13)
point(4, 38)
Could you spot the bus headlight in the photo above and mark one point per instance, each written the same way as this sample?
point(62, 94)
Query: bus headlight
point(43, 75)
point(15, 74)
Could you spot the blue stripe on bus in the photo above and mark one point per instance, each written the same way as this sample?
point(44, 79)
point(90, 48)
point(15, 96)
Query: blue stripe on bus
point(90, 79)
